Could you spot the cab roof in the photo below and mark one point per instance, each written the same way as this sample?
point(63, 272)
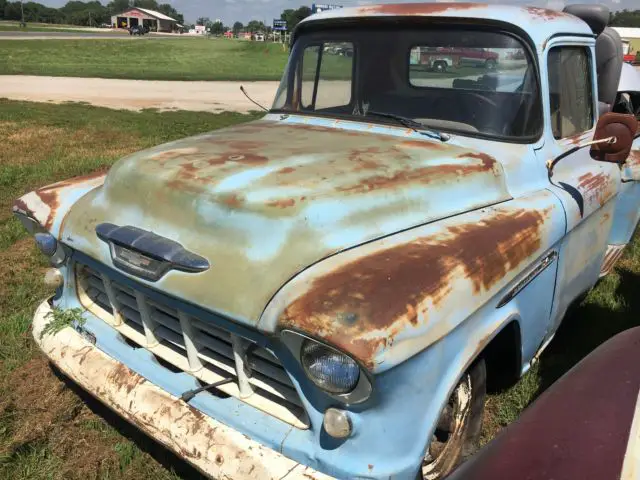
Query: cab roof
point(539, 23)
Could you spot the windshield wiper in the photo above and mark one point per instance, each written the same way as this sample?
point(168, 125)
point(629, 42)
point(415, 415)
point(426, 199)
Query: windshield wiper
point(414, 125)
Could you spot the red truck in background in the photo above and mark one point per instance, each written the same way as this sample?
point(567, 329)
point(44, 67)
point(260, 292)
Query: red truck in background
point(439, 59)
point(629, 56)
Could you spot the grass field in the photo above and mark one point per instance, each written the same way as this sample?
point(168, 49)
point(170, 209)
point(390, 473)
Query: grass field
point(51, 430)
point(145, 59)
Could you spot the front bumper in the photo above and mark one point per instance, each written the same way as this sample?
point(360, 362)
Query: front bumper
point(213, 448)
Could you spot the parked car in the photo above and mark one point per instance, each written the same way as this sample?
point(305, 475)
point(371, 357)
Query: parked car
point(325, 291)
point(586, 425)
point(138, 30)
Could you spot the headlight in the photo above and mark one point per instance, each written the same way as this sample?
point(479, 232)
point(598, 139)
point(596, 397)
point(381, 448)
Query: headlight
point(46, 242)
point(329, 369)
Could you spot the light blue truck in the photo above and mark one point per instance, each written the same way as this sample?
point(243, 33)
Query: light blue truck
point(326, 291)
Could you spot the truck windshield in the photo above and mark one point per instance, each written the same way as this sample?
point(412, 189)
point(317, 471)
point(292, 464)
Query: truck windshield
point(474, 82)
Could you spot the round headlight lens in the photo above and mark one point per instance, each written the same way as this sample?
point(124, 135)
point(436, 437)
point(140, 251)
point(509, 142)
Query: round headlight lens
point(47, 243)
point(329, 369)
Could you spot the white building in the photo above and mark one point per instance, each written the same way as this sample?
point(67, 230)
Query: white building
point(156, 21)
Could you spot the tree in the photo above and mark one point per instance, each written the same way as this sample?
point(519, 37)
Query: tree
point(118, 6)
point(294, 17)
point(168, 10)
point(216, 28)
point(150, 4)
point(237, 28)
point(3, 4)
point(625, 18)
point(203, 21)
point(256, 26)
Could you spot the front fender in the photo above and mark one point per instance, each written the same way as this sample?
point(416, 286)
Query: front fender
point(49, 205)
point(390, 299)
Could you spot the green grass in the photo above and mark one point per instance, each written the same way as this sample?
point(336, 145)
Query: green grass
point(48, 430)
point(145, 58)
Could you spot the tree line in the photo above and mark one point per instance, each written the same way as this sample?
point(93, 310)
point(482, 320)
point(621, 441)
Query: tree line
point(291, 16)
point(625, 18)
point(76, 12)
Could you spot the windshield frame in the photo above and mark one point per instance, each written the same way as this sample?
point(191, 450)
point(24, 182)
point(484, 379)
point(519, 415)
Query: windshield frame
point(339, 30)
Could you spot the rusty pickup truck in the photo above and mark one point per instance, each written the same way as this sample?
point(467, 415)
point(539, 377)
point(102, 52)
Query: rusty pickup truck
point(327, 290)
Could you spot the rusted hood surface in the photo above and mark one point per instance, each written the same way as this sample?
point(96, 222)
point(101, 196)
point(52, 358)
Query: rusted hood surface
point(264, 200)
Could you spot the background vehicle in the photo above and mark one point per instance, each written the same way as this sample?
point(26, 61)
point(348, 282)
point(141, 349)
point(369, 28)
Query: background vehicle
point(138, 30)
point(346, 273)
point(586, 425)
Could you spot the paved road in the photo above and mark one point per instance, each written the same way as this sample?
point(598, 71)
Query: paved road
point(139, 94)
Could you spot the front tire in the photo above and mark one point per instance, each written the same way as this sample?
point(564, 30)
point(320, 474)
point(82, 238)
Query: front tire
point(459, 425)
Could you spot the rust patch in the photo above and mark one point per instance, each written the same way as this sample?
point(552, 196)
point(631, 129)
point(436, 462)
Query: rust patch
point(422, 144)
point(20, 205)
point(595, 186)
point(395, 288)
point(487, 160)
point(418, 8)
point(286, 170)
point(544, 14)
point(233, 200)
point(425, 175)
point(282, 203)
point(123, 378)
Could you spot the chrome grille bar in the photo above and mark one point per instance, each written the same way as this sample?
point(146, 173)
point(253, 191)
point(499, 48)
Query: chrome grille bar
point(195, 346)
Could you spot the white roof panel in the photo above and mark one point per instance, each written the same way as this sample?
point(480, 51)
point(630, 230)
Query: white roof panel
point(159, 15)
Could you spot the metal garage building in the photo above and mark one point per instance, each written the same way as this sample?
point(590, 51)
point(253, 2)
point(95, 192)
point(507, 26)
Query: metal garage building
point(156, 21)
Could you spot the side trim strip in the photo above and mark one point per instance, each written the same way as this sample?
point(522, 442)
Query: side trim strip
point(528, 278)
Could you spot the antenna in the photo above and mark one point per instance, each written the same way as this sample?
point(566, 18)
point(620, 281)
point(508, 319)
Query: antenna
point(251, 99)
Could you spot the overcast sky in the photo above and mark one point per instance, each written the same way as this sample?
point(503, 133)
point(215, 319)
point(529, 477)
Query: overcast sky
point(266, 10)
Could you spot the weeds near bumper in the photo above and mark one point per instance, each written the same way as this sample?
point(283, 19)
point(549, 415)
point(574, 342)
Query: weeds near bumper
point(61, 319)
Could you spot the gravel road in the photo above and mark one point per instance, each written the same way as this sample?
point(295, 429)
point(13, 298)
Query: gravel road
point(139, 94)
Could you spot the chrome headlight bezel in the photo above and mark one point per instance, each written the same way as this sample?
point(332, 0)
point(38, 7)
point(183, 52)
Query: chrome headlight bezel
point(363, 388)
point(49, 245)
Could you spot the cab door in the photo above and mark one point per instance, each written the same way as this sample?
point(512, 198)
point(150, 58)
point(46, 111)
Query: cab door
point(586, 188)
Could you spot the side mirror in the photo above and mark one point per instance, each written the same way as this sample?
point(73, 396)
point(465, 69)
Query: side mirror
point(613, 137)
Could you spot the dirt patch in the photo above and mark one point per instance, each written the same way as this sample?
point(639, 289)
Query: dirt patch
point(42, 409)
point(29, 145)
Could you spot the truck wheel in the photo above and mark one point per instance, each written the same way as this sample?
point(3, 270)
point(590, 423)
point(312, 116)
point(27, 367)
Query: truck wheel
point(440, 66)
point(490, 64)
point(459, 425)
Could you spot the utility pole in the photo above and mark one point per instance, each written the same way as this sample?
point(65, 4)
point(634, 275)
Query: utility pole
point(89, 17)
point(22, 24)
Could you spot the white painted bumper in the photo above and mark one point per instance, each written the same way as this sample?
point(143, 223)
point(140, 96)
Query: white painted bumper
point(213, 448)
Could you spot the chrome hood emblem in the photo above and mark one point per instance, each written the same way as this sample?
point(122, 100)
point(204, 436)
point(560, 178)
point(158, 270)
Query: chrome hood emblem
point(146, 254)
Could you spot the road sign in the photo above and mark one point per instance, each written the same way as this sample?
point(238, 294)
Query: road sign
point(320, 7)
point(280, 25)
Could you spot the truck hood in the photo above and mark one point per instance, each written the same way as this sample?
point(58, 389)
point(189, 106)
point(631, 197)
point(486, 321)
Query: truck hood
point(264, 200)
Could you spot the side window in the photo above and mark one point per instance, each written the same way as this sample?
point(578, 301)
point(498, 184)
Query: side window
point(570, 91)
point(327, 71)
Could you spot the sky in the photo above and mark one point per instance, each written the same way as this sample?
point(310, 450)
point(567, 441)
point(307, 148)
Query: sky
point(266, 10)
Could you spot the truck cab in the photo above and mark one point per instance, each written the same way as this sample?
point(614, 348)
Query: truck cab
point(325, 291)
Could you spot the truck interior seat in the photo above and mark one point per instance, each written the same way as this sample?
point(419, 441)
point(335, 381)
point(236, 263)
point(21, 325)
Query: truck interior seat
point(608, 48)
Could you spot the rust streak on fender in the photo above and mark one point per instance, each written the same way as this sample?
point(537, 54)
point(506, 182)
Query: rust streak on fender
point(361, 306)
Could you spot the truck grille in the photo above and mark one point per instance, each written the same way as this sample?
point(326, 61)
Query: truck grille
point(193, 346)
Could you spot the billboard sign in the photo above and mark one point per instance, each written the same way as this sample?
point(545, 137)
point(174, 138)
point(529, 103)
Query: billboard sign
point(321, 7)
point(280, 25)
